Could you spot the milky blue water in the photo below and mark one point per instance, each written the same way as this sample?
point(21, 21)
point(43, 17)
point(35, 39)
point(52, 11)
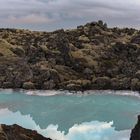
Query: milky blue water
point(96, 115)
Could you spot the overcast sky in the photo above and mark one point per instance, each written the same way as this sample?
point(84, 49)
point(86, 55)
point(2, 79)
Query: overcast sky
point(54, 14)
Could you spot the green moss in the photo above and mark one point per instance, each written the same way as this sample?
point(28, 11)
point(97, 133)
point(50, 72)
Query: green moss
point(109, 63)
point(5, 48)
point(84, 38)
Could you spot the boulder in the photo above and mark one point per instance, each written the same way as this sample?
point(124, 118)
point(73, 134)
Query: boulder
point(45, 77)
point(84, 39)
point(88, 71)
point(101, 83)
point(61, 43)
point(76, 84)
point(19, 51)
point(135, 84)
point(73, 87)
point(136, 39)
point(5, 48)
point(115, 83)
point(49, 85)
point(137, 74)
point(124, 83)
point(28, 85)
point(14, 72)
point(7, 85)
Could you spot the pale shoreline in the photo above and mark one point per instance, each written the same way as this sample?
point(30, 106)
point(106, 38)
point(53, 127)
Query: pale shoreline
point(67, 92)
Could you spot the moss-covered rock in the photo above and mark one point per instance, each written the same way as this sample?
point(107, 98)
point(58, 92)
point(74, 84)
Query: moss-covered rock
point(92, 56)
point(84, 38)
point(28, 85)
point(101, 83)
point(5, 48)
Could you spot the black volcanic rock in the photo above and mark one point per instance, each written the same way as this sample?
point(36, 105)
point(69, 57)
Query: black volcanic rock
point(60, 44)
point(15, 132)
point(136, 39)
point(108, 58)
point(135, 134)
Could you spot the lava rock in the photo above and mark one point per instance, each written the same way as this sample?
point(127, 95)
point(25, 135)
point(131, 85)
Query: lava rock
point(108, 58)
point(135, 134)
point(15, 132)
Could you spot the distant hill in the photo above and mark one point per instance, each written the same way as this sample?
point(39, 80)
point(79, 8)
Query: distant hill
point(92, 56)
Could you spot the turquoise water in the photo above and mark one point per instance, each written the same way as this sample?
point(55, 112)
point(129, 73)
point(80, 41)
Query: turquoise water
point(100, 115)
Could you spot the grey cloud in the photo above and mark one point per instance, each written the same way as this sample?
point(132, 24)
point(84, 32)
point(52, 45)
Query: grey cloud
point(52, 14)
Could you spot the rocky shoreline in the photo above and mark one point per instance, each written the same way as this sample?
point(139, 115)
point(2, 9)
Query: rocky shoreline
point(15, 132)
point(91, 56)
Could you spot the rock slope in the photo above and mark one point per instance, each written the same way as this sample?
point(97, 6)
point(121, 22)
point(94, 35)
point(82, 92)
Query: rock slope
point(92, 56)
point(135, 134)
point(15, 132)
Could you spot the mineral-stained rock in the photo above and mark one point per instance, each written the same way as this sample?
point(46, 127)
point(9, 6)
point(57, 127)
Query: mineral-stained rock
point(15, 132)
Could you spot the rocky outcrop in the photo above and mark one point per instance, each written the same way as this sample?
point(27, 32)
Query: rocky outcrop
point(135, 134)
point(15, 132)
point(92, 56)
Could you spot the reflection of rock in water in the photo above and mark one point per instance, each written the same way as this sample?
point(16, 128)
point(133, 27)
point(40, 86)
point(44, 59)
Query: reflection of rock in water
point(5, 105)
point(88, 131)
point(16, 132)
point(85, 130)
point(11, 105)
point(69, 110)
point(92, 130)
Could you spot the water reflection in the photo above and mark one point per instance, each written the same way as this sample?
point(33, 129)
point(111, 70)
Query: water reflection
point(94, 130)
point(66, 111)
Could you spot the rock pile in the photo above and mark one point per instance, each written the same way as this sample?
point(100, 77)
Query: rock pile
point(92, 56)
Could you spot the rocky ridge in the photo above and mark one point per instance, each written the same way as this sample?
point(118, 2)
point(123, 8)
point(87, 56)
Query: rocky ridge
point(92, 56)
point(15, 132)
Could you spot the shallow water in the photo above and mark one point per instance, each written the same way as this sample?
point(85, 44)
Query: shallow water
point(96, 115)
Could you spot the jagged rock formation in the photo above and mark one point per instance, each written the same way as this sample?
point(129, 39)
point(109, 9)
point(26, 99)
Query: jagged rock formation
point(135, 134)
point(92, 56)
point(15, 132)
